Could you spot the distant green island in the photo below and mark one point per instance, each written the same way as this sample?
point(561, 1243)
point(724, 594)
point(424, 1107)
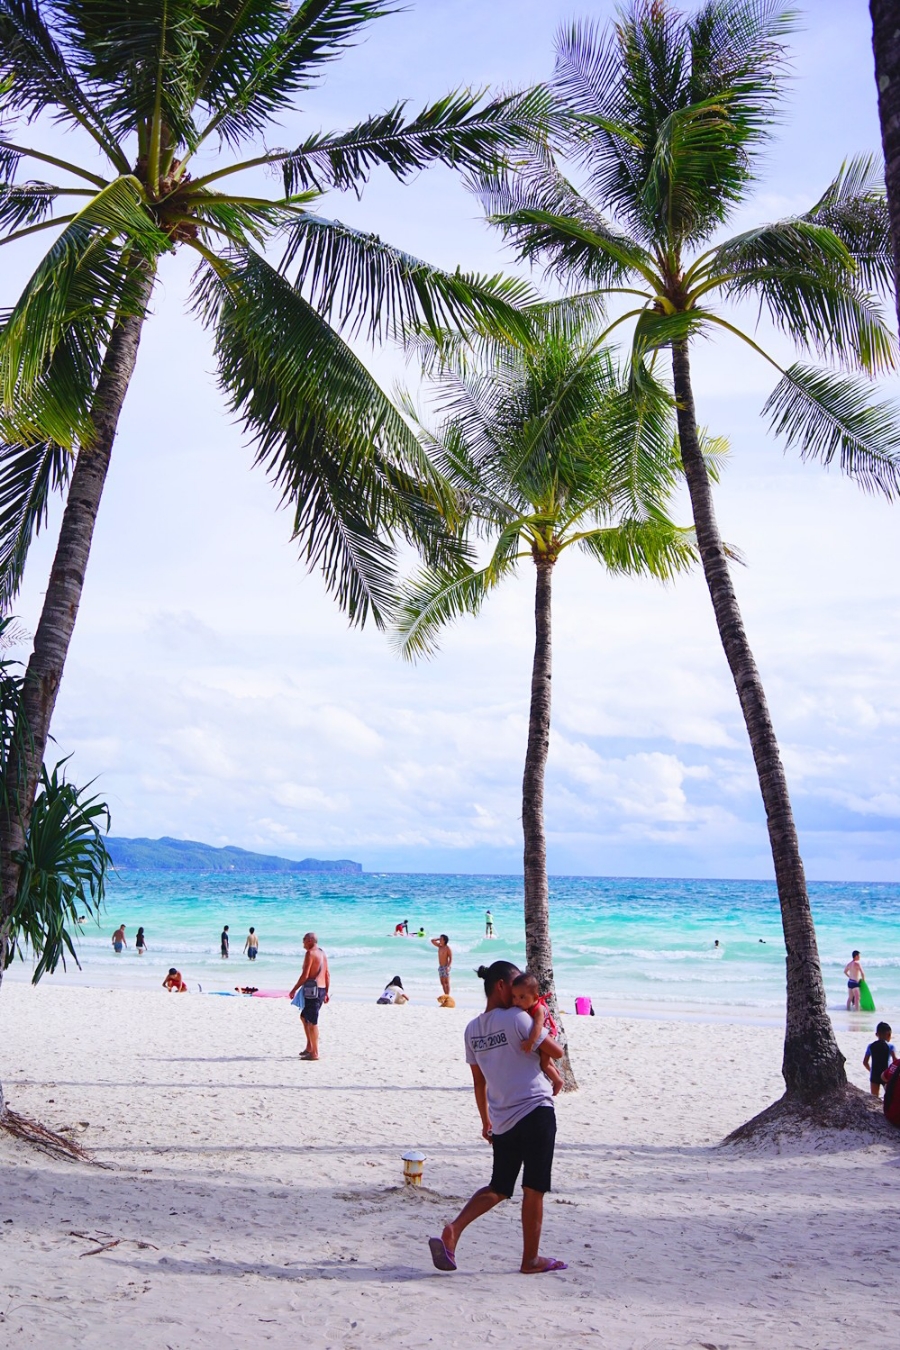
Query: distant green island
point(187, 855)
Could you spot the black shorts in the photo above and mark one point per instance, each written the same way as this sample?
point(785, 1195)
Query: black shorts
point(311, 1006)
point(529, 1146)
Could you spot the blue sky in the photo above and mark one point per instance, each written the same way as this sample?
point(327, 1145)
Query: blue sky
point(216, 693)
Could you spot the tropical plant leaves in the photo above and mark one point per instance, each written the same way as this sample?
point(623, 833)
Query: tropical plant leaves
point(64, 867)
point(456, 130)
point(361, 283)
point(825, 415)
point(340, 453)
point(29, 475)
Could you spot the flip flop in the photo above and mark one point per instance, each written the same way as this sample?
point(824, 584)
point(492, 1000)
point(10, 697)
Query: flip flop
point(551, 1265)
point(442, 1258)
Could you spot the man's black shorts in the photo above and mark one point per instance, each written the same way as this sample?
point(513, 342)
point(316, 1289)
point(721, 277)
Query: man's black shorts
point(312, 1007)
point(529, 1146)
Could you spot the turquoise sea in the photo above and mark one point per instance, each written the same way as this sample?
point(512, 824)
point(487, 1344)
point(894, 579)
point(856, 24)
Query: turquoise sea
point(636, 945)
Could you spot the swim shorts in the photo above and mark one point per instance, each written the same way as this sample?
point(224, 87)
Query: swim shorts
point(118, 946)
point(311, 1007)
point(853, 984)
point(529, 1145)
point(444, 972)
point(251, 953)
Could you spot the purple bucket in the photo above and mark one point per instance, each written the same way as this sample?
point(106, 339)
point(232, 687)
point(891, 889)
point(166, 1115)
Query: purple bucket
point(583, 1007)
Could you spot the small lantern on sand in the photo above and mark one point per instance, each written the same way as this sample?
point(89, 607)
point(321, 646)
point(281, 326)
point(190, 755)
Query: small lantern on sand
point(412, 1167)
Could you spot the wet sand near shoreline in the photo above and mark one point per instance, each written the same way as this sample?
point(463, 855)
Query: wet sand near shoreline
point(248, 1197)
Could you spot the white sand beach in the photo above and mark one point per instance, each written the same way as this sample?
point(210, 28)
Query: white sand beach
point(254, 1199)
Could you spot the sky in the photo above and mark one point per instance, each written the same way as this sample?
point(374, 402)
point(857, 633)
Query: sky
point(215, 692)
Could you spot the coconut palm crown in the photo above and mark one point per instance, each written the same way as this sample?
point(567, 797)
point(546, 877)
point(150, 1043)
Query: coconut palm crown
point(130, 131)
point(661, 118)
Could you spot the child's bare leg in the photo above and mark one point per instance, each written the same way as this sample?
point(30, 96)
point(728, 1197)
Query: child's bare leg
point(549, 1070)
point(875, 1089)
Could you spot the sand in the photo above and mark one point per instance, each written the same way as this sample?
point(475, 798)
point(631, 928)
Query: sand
point(257, 1200)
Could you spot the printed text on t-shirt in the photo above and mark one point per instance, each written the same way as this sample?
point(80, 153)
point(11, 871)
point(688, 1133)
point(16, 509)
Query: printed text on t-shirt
point(488, 1042)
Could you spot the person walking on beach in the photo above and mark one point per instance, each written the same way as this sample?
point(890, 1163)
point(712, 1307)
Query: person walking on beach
point(488, 924)
point(118, 939)
point(854, 972)
point(515, 1103)
point(313, 985)
point(878, 1057)
point(140, 942)
point(225, 942)
point(251, 945)
point(445, 960)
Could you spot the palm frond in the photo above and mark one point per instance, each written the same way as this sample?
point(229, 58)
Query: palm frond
point(358, 282)
point(140, 61)
point(29, 475)
point(854, 207)
point(244, 219)
point(64, 867)
point(456, 130)
point(433, 599)
point(548, 221)
point(341, 455)
point(254, 64)
point(25, 204)
point(76, 290)
point(650, 547)
point(824, 415)
point(807, 280)
point(41, 78)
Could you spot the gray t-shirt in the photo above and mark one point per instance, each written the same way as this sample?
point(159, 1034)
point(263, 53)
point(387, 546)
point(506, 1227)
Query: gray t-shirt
point(515, 1084)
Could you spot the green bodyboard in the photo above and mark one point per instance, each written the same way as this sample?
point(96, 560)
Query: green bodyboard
point(866, 1001)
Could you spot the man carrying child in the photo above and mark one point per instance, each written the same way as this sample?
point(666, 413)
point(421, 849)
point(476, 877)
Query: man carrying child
point(515, 1102)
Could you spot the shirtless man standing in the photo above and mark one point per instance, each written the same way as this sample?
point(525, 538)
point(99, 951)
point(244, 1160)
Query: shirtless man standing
point(315, 982)
point(854, 972)
point(118, 939)
point(445, 960)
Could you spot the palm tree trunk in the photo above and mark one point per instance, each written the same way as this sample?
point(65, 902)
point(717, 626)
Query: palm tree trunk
point(61, 601)
point(813, 1065)
point(538, 949)
point(886, 45)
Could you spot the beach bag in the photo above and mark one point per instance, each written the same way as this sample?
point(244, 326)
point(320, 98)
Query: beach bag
point(892, 1094)
point(583, 1007)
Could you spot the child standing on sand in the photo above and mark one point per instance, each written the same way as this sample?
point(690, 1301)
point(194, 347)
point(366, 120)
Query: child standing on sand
point(879, 1055)
point(526, 994)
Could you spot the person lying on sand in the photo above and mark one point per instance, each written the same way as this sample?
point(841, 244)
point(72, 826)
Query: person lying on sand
point(527, 996)
point(517, 1119)
point(174, 983)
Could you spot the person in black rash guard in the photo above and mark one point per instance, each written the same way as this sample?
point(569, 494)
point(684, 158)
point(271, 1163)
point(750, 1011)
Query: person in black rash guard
point(225, 942)
point(878, 1057)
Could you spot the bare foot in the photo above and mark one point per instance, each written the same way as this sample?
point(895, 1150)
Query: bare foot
point(541, 1264)
point(449, 1238)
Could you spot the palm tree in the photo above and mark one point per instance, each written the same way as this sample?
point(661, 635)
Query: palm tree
point(148, 91)
point(662, 115)
point(886, 45)
point(544, 450)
